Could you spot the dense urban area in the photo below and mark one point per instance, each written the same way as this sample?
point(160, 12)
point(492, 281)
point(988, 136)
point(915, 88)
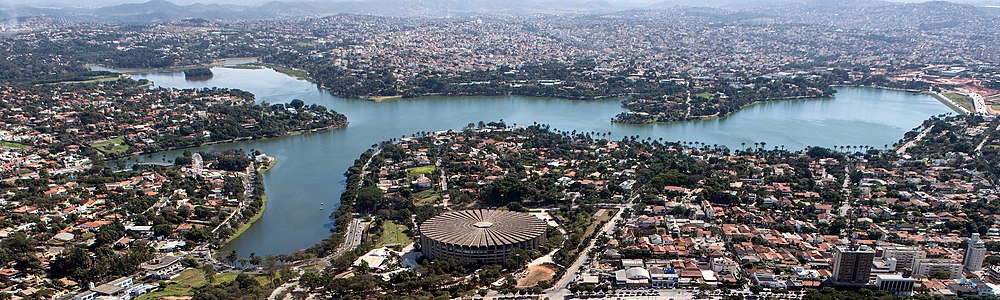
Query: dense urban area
point(91, 209)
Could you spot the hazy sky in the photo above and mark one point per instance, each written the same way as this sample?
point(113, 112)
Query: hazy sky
point(99, 3)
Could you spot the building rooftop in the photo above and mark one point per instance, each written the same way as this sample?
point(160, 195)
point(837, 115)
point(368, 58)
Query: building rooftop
point(483, 227)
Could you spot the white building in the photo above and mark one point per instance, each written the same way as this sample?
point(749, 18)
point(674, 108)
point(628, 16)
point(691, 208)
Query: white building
point(975, 253)
point(634, 276)
point(724, 265)
point(895, 284)
point(904, 256)
point(927, 266)
point(166, 267)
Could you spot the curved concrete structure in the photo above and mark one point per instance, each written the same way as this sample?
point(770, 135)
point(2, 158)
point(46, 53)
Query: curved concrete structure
point(483, 235)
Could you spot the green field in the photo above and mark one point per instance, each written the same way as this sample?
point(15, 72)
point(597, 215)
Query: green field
point(190, 279)
point(299, 74)
point(704, 95)
point(180, 286)
point(112, 146)
point(996, 107)
point(95, 79)
point(393, 234)
point(426, 199)
point(245, 67)
point(962, 100)
point(14, 145)
point(421, 170)
point(425, 194)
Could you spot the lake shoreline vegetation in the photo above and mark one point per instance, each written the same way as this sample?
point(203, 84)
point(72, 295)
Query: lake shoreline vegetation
point(209, 116)
point(662, 101)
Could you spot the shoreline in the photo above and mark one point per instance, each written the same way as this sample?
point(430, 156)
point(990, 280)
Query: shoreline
point(215, 63)
point(290, 133)
point(272, 161)
point(249, 223)
point(949, 103)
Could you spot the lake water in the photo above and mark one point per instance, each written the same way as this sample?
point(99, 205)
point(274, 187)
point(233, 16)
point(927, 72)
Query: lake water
point(311, 166)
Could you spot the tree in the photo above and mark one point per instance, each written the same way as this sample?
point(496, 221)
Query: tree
point(209, 272)
point(368, 199)
point(941, 274)
point(505, 190)
point(254, 259)
point(163, 230)
point(232, 257)
point(297, 104)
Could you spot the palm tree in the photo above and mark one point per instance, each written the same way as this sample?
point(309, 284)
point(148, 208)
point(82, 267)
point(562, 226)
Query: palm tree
point(254, 259)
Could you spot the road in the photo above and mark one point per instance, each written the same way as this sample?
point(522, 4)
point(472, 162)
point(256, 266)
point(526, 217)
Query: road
point(986, 139)
point(443, 184)
point(354, 231)
point(908, 144)
point(560, 290)
point(978, 102)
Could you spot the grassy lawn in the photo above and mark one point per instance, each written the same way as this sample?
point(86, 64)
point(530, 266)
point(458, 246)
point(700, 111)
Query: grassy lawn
point(421, 195)
point(705, 95)
point(112, 146)
point(962, 100)
point(602, 215)
point(393, 233)
point(421, 170)
point(245, 67)
point(14, 145)
point(300, 74)
point(996, 107)
point(95, 79)
point(224, 278)
point(429, 200)
point(190, 279)
point(180, 286)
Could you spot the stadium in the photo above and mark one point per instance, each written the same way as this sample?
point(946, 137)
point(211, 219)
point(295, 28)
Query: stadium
point(486, 236)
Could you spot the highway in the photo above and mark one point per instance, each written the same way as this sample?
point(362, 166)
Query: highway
point(978, 102)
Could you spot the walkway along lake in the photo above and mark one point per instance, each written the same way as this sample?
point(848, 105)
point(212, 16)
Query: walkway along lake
point(311, 166)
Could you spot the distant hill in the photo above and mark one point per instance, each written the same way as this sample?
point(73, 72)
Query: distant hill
point(163, 10)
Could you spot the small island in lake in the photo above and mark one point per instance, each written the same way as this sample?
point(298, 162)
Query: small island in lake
point(198, 74)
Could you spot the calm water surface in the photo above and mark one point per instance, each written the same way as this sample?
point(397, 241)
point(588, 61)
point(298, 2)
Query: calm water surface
point(311, 166)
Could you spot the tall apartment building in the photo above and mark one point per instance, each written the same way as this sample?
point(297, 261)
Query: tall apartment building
point(975, 253)
point(852, 265)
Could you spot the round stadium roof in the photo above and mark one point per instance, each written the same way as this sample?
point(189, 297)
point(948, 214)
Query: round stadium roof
point(482, 227)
